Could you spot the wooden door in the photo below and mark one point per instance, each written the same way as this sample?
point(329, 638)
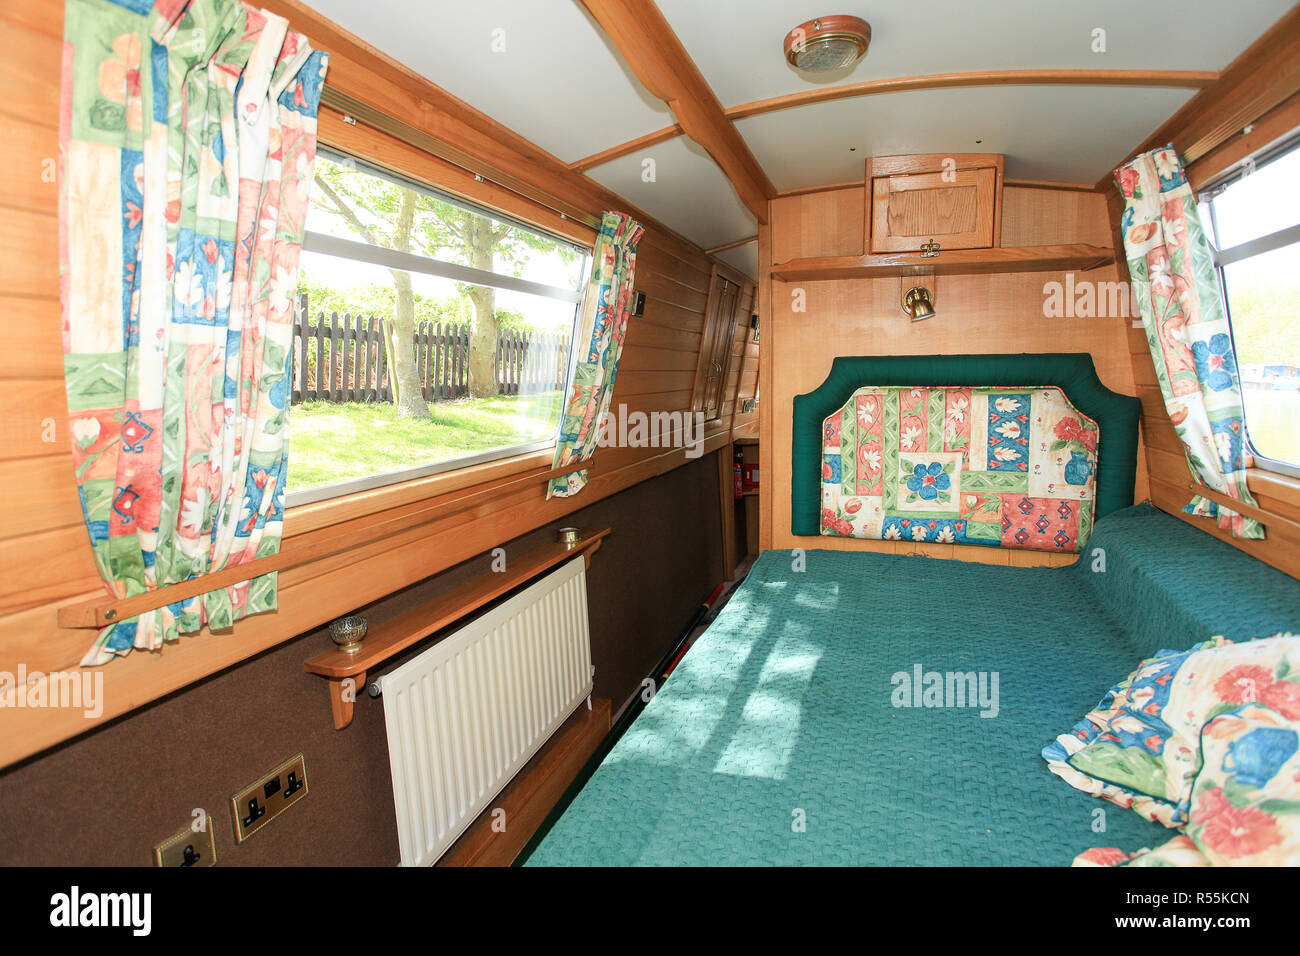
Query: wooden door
point(715, 347)
point(956, 212)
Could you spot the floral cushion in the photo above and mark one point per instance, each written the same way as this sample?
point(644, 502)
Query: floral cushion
point(1205, 740)
point(1001, 467)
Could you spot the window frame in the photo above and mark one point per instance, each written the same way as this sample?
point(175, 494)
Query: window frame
point(526, 452)
point(1286, 236)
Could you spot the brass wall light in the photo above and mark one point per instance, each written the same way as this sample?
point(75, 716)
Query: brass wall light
point(918, 300)
point(918, 303)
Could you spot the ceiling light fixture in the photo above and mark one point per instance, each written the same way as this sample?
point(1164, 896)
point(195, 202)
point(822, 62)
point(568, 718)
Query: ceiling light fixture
point(827, 43)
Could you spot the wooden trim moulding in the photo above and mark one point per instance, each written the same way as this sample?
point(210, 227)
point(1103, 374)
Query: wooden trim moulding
point(808, 190)
point(307, 604)
point(731, 245)
point(346, 670)
point(1193, 79)
point(1188, 79)
point(1265, 134)
point(1045, 184)
point(1058, 258)
point(327, 542)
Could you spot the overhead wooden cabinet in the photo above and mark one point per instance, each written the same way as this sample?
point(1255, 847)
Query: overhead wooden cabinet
point(953, 200)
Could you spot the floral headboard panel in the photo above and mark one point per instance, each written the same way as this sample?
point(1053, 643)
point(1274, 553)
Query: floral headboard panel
point(999, 450)
point(1010, 467)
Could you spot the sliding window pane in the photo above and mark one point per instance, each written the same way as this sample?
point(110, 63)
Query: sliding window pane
point(1262, 203)
point(460, 356)
point(1264, 301)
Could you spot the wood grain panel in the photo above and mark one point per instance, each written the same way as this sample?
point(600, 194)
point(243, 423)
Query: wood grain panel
point(41, 496)
point(33, 418)
point(33, 337)
point(29, 254)
point(984, 313)
point(25, 54)
point(661, 290)
point(652, 335)
point(649, 359)
point(30, 182)
point(47, 560)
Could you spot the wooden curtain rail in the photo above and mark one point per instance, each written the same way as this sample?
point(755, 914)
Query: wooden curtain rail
point(349, 105)
point(326, 543)
point(346, 670)
point(1227, 501)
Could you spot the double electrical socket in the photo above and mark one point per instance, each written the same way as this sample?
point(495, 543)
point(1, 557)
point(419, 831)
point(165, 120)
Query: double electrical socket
point(262, 801)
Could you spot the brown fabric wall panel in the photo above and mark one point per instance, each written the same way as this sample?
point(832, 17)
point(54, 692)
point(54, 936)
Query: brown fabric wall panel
point(108, 797)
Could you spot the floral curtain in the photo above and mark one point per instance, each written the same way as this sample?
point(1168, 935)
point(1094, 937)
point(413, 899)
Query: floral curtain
point(187, 137)
point(605, 309)
point(1177, 292)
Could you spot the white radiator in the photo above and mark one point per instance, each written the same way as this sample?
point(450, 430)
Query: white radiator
point(467, 714)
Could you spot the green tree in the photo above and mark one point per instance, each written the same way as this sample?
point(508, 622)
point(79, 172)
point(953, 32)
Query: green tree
point(405, 219)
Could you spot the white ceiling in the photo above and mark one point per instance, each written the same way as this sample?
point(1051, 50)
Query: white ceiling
point(687, 187)
point(1059, 133)
point(737, 44)
point(744, 258)
point(560, 83)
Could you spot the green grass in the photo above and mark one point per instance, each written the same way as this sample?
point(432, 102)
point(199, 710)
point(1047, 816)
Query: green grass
point(329, 443)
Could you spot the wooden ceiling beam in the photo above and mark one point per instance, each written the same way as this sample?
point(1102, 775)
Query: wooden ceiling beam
point(655, 54)
point(1177, 79)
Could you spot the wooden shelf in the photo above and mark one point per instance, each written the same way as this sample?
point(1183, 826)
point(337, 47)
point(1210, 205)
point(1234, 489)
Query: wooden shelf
point(1065, 258)
point(346, 670)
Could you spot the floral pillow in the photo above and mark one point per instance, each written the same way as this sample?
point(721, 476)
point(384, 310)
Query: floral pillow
point(1117, 751)
point(1208, 741)
point(1245, 802)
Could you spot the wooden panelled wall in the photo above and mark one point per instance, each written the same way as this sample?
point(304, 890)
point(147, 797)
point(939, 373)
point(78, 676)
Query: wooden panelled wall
point(1253, 108)
point(1277, 496)
point(394, 536)
point(976, 314)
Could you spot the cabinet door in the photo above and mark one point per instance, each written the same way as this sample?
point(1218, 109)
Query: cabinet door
point(954, 209)
point(715, 348)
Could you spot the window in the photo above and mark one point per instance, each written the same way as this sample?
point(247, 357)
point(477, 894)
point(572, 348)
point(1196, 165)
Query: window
point(1256, 228)
point(430, 334)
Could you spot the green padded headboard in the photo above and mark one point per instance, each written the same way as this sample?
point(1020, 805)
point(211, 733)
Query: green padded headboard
point(1116, 415)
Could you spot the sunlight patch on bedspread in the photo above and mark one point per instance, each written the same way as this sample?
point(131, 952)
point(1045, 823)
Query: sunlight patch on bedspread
point(770, 722)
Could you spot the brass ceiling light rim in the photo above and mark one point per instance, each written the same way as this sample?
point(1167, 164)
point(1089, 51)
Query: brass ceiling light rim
point(821, 29)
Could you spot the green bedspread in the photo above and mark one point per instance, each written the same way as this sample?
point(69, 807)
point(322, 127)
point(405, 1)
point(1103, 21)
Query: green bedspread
point(777, 739)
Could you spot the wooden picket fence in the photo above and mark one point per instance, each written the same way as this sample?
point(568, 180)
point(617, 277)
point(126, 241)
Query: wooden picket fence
point(342, 359)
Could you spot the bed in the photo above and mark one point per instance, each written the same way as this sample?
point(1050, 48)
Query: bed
point(798, 729)
point(777, 740)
